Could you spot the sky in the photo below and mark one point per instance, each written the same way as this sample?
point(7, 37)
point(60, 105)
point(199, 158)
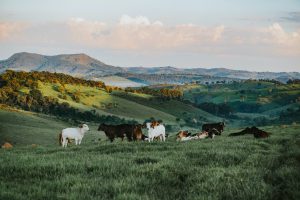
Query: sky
point(256, 35)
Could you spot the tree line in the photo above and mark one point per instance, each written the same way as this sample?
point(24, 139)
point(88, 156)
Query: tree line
point(11, 82)
point(164, 93)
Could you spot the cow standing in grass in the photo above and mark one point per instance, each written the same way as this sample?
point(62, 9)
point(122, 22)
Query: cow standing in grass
point(131, 131)
point(216, 128)
point(157, 131)
point(73, 133)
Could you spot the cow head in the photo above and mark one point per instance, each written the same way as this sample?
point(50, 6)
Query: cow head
point(154, 124)
point(101, 127)
point(84, 127)
point(182, 134)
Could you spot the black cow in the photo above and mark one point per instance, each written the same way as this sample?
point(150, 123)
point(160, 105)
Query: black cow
point(131, 131)
point(217, 128)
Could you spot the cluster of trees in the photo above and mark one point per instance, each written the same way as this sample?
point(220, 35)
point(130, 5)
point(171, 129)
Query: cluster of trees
point(294, 81)
point(222, 109)
point(109, 89)
point(16, 79)
point(34, 101)
point(290, 115)
point(245, 107)
point(271, 81)
point(164, 93)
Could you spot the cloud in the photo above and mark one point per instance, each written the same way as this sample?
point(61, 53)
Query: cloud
point(10, 29)
point(286, 42)
point(280, 36)
point(292, 16)
point(139, 20)
point(140, 34)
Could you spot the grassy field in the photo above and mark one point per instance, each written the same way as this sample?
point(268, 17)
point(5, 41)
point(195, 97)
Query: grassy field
point(105, 103)
point(250, 98)
point(223, 168)
point(125, 105)
point(253, 91)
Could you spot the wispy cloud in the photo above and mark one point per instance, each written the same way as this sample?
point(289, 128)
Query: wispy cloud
point(9, 30)
point(292, 16)
point(141, 34)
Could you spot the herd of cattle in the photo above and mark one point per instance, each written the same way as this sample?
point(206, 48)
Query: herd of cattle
point(133, 132)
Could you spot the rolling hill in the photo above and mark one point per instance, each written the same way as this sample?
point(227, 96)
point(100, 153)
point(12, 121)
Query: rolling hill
point(217, 72)
point(80, 65)
point(51, 93)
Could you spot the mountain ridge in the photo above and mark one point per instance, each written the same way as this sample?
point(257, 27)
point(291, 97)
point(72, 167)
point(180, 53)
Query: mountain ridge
point(74, 64)
point(82, 65)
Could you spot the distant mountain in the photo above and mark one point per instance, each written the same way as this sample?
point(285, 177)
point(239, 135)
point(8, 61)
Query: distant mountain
point(217, 72)
point(80, 65)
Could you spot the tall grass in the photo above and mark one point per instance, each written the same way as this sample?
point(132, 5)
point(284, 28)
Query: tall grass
point(223, 168)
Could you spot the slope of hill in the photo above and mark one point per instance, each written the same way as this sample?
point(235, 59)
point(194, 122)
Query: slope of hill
point(45, 92)
point(257, 102)
point(80, 65)
point(36, 128)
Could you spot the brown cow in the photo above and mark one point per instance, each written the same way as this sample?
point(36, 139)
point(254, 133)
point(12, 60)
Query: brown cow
point(132, 132)
point(182, 134)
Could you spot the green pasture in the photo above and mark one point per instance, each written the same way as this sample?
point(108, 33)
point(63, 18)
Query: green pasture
point(222, 168)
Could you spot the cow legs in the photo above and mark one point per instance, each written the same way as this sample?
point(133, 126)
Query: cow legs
point(64, 143)
point(111, 139)
point(163, 138)
point(151, 139)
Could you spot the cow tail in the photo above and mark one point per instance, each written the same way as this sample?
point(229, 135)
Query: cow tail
point(60, 138)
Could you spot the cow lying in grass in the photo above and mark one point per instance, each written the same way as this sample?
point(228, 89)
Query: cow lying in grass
point(73, 133)
point(186, 136)
point(256, 132)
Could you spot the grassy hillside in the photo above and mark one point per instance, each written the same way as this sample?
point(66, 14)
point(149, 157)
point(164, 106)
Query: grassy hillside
point(106, 103)
point(124, 104)
point(173, 107)
point(251, 98)
point(223, 168)
point(25, 128)
point(249, 91)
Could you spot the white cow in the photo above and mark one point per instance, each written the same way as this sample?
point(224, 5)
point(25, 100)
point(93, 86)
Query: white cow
point(73, 133)
point(156, 131)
